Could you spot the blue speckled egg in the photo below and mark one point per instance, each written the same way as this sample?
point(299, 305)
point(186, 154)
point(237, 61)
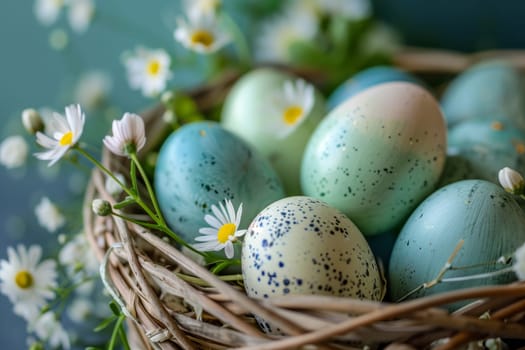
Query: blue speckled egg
point(368, 78)
point(484, 90)
point(300, 245)
point(478, 149)
point(376, 156)
point(200, 165)
point(252, 111)
point(487, 218)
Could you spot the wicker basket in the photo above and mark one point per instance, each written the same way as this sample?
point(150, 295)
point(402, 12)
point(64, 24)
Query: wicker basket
point(168, 312)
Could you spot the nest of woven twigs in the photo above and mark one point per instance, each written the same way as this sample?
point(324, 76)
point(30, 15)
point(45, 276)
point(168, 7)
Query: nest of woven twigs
point(167, 311)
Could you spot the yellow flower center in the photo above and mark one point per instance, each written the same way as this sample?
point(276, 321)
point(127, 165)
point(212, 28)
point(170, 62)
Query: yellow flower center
point(292, 114)
point(66, 139)
point(225, 232)
point(202, 37)
point(24, 279)
point(153, 67)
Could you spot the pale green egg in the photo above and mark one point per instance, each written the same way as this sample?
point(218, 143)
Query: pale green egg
point(376, 156)
point(255, 111)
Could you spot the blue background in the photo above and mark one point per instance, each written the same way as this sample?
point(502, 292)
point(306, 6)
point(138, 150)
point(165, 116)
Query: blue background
point(34, 75)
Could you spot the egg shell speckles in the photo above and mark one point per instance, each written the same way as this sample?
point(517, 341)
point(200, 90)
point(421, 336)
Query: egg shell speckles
point(300, 245)
point(200, 165)
point(481, 213)
point(376, 156)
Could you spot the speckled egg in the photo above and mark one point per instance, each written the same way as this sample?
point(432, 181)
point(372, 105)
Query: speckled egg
point(487, 218)
point(300, 245)
point(367, 78)
point(254, 111)
point(200, 165)
point(484, 90)
point(376, 156)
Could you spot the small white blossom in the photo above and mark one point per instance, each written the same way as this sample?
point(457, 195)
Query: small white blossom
point(148, 70)
point(47, 11)
point(64, 134)
point(201, 33)
point(101, 207)
point(112, 186)
point(27, 281)
point(128, 137)
point(196, 8)
point(13, 152)
point(223, 231)
point(76, 254)
point(278, 34)
point(80, 14)
point(49, 329)
point(32, 121)
point(80, 309)
point(519, 262)
point(92, 89)
point(511, 180)
point(58, 39)
point(48, 215)
point(292, 106)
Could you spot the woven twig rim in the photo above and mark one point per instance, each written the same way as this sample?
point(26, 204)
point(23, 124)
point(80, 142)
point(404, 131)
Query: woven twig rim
point(167, 312)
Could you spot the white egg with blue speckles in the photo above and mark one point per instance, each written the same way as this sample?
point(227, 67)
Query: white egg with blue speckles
point(300, 245)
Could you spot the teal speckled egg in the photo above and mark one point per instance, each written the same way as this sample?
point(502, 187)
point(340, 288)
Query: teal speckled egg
point(255, 111)
point(300, 245)
point(484, 90)
point(487, 218)
point(200, 165)
point(376, 156)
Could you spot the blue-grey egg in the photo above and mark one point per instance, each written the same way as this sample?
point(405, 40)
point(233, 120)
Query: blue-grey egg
point(300, 245)
point(377, 155)
point(484, 90)
point(202, 164)
point(367, 78)
point(481, 213)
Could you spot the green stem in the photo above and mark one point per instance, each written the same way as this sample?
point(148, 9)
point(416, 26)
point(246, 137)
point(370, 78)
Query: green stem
point(243, 50)
point(123, 338)
point(116, 329)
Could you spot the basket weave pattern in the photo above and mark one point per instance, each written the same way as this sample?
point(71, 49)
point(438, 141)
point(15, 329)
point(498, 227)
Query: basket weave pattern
point(167, 311)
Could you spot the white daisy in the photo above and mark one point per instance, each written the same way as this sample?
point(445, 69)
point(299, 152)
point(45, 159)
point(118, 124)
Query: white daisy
point(65, 133)
point(80, 309)
point(80, 14)
point(47, 11)
point(26, 281)
point(49, 329)
point(223, 231)
point(196, 8)
point(77, 254)
point(92, 89)
point(511, 180)
point(278, 34)
point(201, 33)
point(13, 151)
point(148, 70)
point(128, 135)
point(519, 262)
point(292, 105)
point(32, 121)
point(48, 215)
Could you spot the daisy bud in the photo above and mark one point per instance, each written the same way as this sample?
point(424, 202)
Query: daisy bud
point(32, 121)
point(511, 181)
point(519, 262)
point(101, 207)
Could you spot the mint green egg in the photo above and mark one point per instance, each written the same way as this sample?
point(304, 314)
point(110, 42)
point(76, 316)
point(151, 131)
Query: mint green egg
point(377, 155)
point(250, 111)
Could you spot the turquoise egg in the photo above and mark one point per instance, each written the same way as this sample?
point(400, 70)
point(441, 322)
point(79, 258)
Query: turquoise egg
point(478, 149)
point(251, 111)
point(483, 91)
point(368, 78)
point(487, 218)
point(377, 155)
point(200, 165)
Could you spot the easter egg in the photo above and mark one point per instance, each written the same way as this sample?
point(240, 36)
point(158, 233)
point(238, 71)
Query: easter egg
point(368, 78)
point(488, 220)
point(300, 245)
point(200, 165)
point(478, 149)
point(484, 90)
point(377, 155)
point(276, 113)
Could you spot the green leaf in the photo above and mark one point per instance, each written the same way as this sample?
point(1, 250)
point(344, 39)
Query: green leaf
point(104, 324)
point(124, 203)
point(115, 308)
